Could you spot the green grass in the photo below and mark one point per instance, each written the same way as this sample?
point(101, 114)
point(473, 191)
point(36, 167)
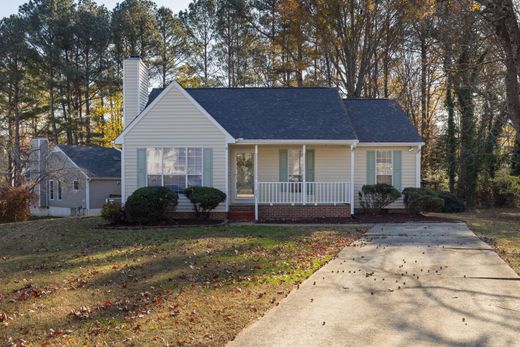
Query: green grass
point(498, 227)
point(66, 282)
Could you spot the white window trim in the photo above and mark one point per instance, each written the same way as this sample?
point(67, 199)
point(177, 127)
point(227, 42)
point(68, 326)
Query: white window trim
point(51, 183)
point(74, 186)
point(186, 163)
point(391, 163)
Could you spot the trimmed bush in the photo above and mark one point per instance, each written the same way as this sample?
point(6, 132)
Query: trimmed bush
point(15, 203)
point(419, 200)
point(113, 213)
point(452, 204)
point(375, 197)
point(506, 190)
point(148, 205)
point(204, 199)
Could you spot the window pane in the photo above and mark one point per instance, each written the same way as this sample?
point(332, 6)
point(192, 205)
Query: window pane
point(153, 161)
point(294, 169)
point(195, 161)
point(154, 180)
point(194, 180)
point(177, 183)
point(174, 161)
point(384, 164)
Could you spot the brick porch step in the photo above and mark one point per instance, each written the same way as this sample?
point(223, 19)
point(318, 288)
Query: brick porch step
point(241, 213)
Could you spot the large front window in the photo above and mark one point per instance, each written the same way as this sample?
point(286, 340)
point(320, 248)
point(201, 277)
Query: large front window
point(175, 168)
point(384, 167)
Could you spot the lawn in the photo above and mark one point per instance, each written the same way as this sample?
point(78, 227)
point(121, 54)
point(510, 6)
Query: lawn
point(64, 282)
point(498, 227)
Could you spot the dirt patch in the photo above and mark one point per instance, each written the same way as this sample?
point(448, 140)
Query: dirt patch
point(367, 219)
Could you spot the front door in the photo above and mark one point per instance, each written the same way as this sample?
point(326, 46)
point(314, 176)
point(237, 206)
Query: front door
point(245, 174)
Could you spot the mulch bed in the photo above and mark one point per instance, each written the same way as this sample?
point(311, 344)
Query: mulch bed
point(367, 219)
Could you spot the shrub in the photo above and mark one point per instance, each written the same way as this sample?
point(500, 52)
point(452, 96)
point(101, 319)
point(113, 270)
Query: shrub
point(148, 205)
point(204, 199)
point(375, 197)
point(506, 189)
point(15, 203)
point(452, 204)
point(419, 200)
point(113, 213)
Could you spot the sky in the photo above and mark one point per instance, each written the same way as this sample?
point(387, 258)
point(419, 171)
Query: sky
point(8, 7)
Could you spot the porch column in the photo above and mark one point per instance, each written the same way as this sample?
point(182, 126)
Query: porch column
point(256, 183)
point(352, 163)
point(304, 189)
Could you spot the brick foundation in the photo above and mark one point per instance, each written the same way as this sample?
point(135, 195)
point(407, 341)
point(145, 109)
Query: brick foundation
point(300, 213)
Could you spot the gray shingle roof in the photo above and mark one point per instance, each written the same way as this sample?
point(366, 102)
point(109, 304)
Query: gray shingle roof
point(95, 161)
point(276, 113)
point(380, 120)
point(303, 113)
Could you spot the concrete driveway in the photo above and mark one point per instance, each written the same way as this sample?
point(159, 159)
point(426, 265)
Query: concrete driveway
point(402, 285)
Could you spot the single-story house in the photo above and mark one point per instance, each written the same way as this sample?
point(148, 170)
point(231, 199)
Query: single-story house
point(278, 153)
point(73, 180)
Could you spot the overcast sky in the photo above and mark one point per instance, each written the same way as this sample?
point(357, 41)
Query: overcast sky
point(8, 7)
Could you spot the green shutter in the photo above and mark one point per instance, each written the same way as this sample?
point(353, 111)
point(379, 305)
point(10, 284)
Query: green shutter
point(141, 167)
point(282, 167)
point(283, 162)
point(309, 165)
point(371, 167)
point(309, 169)
point(396, 170)
point(207, 179)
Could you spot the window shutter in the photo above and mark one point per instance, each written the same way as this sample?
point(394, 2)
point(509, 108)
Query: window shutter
point(141, 167)
point(309, 169)
point(284, 177)
point(371, 167)
point(207, 178)
point(396, 170)
point(309, 165)
point(282, 167)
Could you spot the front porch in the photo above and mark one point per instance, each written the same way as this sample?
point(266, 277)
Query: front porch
point(291, 182)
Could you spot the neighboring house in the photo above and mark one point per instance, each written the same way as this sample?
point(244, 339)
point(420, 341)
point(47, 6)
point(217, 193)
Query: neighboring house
point(73, 180)
point(278, 153)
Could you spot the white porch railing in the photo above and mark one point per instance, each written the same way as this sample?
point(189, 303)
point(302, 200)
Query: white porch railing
point(313, 193)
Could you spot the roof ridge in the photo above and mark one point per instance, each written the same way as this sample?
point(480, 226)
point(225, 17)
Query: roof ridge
point(259, 88)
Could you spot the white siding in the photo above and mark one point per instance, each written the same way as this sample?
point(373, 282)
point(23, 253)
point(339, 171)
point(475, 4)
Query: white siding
point(175, 121)
point(407, 170)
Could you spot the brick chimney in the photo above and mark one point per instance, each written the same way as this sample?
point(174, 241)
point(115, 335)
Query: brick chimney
point(135, 88)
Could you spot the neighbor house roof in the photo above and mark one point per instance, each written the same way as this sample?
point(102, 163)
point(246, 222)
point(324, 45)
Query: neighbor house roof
point(95, 161)
point(303, 114)
point(276, 113)
point(380, 120)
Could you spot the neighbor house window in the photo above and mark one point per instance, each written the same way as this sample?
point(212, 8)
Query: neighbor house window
point(59, 190)
point(294, 162)
point(384, 167)
point(175, 168)
point(51, 190)
point(75, 186)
